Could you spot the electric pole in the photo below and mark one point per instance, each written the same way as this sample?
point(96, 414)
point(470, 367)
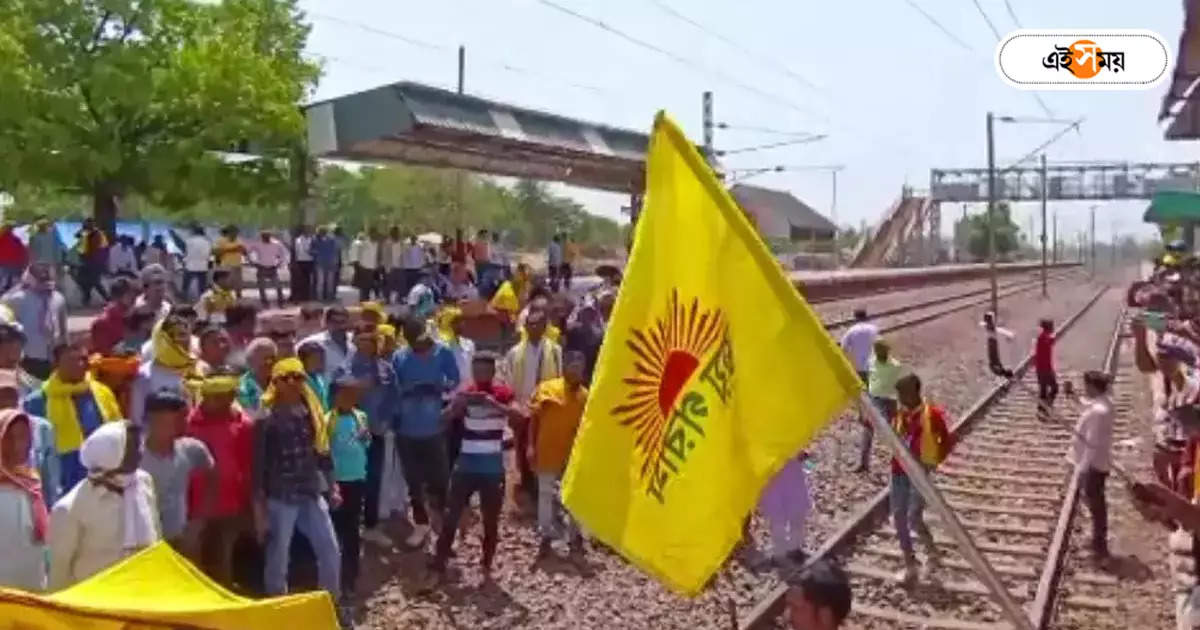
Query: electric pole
point(1054, 253)
point(1044, 292)
point(991, 208)
point(837, 250)
point(458, 174)
point(1092, 249)
point(707, 117)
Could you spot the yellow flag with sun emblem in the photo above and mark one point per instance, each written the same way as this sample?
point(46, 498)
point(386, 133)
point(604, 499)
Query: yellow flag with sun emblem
point(714, 371)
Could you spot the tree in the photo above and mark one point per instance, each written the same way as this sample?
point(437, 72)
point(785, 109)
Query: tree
point(111, 98)
point(975, 230)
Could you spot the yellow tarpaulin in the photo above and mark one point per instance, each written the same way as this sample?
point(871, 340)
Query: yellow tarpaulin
point(158, 588)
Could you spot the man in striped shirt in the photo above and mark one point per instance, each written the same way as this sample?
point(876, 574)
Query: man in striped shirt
point(486, 408)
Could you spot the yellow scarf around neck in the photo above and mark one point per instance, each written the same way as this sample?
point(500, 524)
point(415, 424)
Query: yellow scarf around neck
point(61, 412)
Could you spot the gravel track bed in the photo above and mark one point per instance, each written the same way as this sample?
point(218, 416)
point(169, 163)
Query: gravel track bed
point(1142, 593)
point(1082, 348)
point(843, 308)
point(948, 353)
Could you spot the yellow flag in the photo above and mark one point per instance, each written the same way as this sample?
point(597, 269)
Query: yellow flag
point(714, 372)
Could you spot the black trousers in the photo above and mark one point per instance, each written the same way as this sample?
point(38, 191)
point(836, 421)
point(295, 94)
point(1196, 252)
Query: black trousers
point(346, 519)
point(88, 278)
point(1093, 482)
point(364, 279)
point(565, 273)
point(1047, 392)
point(427, 473)
point(302, 285)
point(375, 453)
point(994, 363)
point(491, 497)
point(199, 278)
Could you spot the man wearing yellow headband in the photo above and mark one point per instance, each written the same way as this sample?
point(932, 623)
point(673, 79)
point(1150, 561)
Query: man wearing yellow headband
point(292, 483)
point(170, 368)
point(227, 432)
point(450, 328)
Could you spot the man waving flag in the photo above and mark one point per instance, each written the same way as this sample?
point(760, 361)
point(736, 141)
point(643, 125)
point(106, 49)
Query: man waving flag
point(713, 373)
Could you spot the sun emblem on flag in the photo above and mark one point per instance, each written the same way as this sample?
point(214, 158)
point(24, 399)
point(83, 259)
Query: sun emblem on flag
point(666, 355)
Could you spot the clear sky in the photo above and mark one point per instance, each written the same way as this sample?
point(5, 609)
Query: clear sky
point(896, 95)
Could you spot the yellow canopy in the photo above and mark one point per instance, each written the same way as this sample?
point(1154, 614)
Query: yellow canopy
point(158, 589)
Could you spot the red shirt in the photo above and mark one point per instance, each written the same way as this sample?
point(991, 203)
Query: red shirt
point(230, 440)
point(108, 329)
point(913, 427)
point(1043, 353)
point(12, 251)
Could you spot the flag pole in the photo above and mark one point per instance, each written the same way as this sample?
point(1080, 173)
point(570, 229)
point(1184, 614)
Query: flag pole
point(920, 480)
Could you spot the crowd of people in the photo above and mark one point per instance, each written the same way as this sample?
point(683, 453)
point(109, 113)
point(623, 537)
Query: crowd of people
point(392, 266)
point(194, 418)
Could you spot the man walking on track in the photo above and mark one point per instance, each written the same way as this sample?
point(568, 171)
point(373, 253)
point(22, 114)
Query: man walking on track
point(994, 335)
point(922, 427)
point(1091, 452)
point(857, 343)
point(1043, 362)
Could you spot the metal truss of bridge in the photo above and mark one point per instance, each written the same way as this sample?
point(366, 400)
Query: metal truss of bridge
point(1065, 181)
point(909, 233)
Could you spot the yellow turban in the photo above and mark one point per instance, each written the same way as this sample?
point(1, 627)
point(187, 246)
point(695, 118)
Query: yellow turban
point(445, 322)
point(168, 353)
point(376, 308)
point(293, 366)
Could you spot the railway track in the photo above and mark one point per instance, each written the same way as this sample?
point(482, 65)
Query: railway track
point(1008, 484)
point(982, 295)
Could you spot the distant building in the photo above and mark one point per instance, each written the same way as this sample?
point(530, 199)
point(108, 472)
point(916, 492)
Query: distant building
point(780, 216)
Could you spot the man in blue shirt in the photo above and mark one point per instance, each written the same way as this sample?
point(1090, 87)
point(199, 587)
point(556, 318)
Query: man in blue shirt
point(378, 401)
point(425, 371)
point(326, 255)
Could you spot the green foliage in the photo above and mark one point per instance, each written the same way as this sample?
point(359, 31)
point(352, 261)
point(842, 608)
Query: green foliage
point(420, 199)
point(976, 233)
point(115, 98)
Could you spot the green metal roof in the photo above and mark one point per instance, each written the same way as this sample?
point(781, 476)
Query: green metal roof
point(1173, 206)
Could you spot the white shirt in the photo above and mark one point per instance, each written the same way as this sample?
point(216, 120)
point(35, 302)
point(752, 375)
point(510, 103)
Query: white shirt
point(393, 254)
point(858, 343)
point(364, 253)
point(414, 256)
point(304, 248)
point(463, 350)
point(199, 251)
point(24, 565)
point(87, 531)
point(164, 308)
point(122, 258)
point(529, 380)
point(335, 356)
point(464, 291)
point(1094, 449)
point(270, 253)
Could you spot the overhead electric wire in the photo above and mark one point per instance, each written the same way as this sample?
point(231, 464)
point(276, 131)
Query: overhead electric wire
point(757, 129)
point(503, 65)
point(932, 20)
point(764, 59)
point(1012, 14)
point(1040, 147)
point(992, 27)
point(773, 145)
point(694, 65)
